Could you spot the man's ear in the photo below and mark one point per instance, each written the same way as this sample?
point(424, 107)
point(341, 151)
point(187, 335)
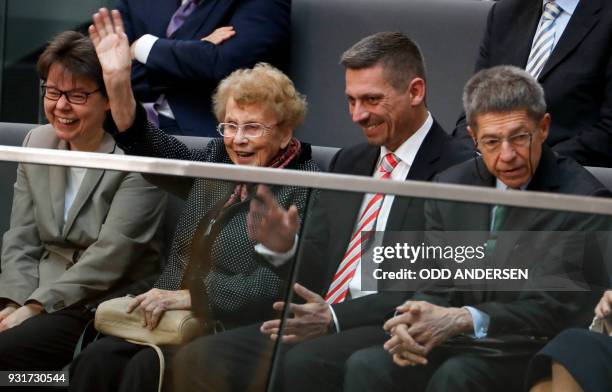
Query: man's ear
point(472, 134)
point(545, 125)
point(417, 90)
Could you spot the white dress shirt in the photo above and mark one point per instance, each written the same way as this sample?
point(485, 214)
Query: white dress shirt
point(74, 179)
point(142, 49)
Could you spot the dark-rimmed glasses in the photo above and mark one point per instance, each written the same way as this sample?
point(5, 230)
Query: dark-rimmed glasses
point(492, 143)
point(249, 130)
point(74, 97)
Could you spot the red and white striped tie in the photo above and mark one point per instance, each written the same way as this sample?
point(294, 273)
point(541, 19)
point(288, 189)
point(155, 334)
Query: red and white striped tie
point(367, 223)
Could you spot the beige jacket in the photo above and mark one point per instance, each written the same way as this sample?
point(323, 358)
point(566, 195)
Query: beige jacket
point(108, 240)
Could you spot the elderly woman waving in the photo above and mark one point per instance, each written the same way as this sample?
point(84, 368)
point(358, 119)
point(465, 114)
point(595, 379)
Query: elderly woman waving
point(258, 110)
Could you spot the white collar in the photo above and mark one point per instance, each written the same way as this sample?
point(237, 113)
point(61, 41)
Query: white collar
point(407, 151)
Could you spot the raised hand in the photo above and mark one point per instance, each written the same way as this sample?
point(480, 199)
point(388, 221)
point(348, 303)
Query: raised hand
point(113, 50)
point(111, 43)
point(270, 224)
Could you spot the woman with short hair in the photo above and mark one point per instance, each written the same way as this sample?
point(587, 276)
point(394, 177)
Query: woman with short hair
point(258, 110)
point(75, 234)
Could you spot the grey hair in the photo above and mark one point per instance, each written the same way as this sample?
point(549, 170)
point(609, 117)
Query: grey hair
point(399, 56)
point(500, 89)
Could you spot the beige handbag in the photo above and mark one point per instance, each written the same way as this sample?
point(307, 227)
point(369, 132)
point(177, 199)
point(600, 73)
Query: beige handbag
point(175, 326)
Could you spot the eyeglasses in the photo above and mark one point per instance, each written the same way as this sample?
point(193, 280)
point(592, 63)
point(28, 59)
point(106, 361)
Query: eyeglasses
point(74, 97)
point(492, 144)
point(249, 130)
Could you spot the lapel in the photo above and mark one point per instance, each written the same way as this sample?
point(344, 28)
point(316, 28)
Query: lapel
point(585, 17)
point(57, 188)
point(158, 15)
point(479, 215)
point(546, 177)
point(522, 33)
point(342, 210)
point(423, 169)
point(89, 184)
point(203, 19)
point(364, 166)
point(519, 220)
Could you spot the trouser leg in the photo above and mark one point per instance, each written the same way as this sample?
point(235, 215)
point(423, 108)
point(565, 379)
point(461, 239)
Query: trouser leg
point(100, 367)
point(318, 364)
point(235, 360)
point(43, 342)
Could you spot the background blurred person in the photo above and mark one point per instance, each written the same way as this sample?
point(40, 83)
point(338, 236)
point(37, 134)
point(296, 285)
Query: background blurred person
point(565, 45)
point(75, 233)
point(183, 49)
point(258, 109)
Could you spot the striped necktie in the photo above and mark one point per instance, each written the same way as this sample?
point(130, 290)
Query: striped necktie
point(543, 41)
point(366, 224)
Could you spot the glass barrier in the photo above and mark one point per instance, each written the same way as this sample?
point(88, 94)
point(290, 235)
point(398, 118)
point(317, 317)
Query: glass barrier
point(233, 251)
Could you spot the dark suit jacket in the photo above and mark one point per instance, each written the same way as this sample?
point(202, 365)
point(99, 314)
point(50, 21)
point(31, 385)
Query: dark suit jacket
point(332, 218)
point(577, 78)
point(186, 69)
point(533, 316)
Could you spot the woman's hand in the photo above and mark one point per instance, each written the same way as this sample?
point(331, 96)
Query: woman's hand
point(111, 43)
point(113, 50)
point(156, 301)
point(270, 224)
point(8, 309)
point(220, 35)
point(19, 315)
point(603, 310)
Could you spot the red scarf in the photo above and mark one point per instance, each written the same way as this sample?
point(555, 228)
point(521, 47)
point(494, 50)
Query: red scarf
point(281, 160)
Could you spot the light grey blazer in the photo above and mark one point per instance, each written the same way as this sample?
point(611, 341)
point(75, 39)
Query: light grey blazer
point(108, 240)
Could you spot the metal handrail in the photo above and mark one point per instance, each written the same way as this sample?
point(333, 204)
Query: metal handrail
point(346, 183)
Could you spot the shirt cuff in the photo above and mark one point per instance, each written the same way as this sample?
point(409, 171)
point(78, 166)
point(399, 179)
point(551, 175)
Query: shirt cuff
point(481, 322)
point(277, 259)
point(143, 46)
point(334, 318)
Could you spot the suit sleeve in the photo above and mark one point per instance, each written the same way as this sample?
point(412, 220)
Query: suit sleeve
point(125, 238)
point(262, 30)
point(140, 84)
point(591, 145)
point(21, 244)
